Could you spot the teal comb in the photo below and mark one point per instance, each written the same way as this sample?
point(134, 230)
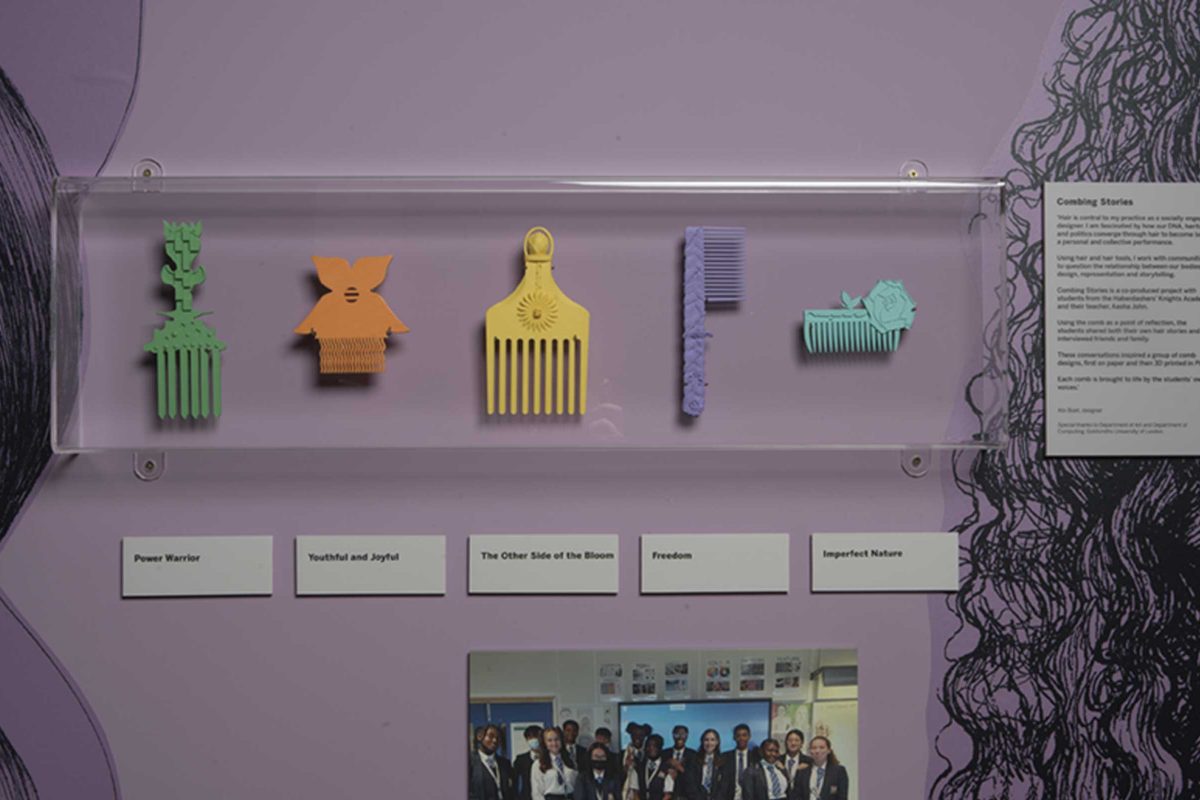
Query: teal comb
point(873, 328)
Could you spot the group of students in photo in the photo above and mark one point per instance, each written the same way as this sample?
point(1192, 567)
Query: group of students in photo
point(557, 767)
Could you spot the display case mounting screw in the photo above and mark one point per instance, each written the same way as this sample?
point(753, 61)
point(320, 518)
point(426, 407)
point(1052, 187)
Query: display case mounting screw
point(914, 169)
point(915, 463)
point(145, 175)
point(149, 466)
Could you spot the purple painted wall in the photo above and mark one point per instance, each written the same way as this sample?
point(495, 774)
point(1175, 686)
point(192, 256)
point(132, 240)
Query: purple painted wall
point(75, 64)
point(340, 697)
point(68, 74)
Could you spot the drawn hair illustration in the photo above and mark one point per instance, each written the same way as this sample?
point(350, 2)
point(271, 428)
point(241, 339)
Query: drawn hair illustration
point(15, 783)
point(1074, 670)
point(26, 170)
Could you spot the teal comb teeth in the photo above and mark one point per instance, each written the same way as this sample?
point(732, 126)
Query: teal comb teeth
point(873, 328)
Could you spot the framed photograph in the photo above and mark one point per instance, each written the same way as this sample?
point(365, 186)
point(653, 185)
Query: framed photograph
point(522, 693)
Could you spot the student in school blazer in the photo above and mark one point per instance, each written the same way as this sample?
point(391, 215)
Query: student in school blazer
point(521, 767)
point(612, 761)
point(683, 763)
point(692, 786)
point(574, 753)
point(678, 751)
point(482, 786)
point(655, 780)
point(731, 766)
point(835, 787)
point(586, 787)
point(575, 756)
point(603, 737)
point(608, 786)
point(836, 783)
point(656, 785)
point(794, 760)
point(756, 784)
point(482, 783)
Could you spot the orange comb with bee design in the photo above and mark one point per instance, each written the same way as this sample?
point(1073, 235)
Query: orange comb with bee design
point(351, 322)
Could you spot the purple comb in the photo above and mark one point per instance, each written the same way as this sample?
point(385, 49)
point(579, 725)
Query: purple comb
point(714, 262)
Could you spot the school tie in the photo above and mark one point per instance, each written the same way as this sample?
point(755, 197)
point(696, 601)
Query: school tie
point(491, 765)
point(708, 772)
point(791, 766)
point(774, 776)
point(558, 766)
point(741, 765)
point(820, 778)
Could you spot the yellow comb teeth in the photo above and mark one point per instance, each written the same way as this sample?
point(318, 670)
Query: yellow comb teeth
point(536, 342)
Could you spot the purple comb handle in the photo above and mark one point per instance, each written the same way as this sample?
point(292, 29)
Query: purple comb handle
point(694, 334)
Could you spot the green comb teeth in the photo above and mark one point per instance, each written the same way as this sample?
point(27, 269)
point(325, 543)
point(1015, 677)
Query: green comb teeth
point(187, 352)
point(875, 328)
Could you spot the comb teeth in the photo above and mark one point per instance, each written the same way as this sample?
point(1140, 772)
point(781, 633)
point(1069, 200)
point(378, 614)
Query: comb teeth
point(724, 254)
point(536, 376)
point(351, 354)
point(848, 336)
point(188, 382)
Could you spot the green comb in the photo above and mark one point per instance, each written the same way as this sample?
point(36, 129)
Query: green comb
point(187, 352)
point(874, 328)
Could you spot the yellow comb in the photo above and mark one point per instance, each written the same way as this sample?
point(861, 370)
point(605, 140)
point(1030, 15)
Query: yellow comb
point(537, 337)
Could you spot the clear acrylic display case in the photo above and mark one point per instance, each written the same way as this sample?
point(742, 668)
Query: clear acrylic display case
point(456, 247)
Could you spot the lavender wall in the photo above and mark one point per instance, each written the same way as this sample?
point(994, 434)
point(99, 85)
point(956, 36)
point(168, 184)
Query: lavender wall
point(66, 79)
point(340, 697)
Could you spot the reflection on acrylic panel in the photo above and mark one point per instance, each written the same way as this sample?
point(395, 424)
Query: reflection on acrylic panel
point(635, 696)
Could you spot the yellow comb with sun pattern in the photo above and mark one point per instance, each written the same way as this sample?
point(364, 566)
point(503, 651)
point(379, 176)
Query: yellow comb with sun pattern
point(537, 342)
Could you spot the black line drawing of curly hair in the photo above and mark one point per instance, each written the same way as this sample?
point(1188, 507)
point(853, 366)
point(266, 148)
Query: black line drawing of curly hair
point(26, 171)
point(15, 783)
point(1075, 670)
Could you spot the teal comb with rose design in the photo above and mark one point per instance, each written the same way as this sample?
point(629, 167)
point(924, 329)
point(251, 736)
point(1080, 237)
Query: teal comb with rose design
point(872, 328)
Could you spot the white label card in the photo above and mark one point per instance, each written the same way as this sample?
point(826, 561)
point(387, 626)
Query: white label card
point(195, 566)
point(544, 564)
point(885, 562)
point(370, 565)
point(715, 563)
point(1122, 319)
